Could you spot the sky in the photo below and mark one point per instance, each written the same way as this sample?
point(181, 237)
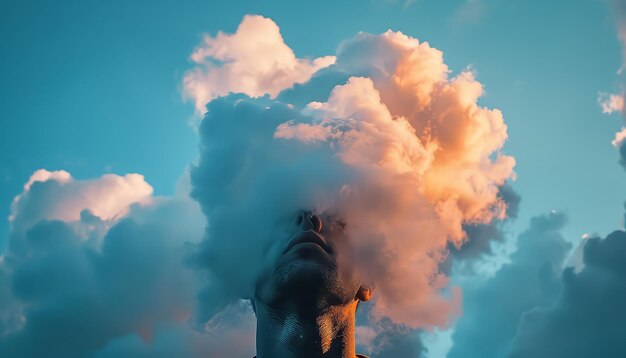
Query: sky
point(94, 92)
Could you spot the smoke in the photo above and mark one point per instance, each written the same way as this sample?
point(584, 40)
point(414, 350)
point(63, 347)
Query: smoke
point(385, 139)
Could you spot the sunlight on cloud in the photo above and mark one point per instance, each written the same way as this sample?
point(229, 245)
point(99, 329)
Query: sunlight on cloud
point(57, 196)
point(254, 60)
point(381, 136)
point(386, 140)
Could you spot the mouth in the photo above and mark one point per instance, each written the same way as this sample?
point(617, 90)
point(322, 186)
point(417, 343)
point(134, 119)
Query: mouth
point(308, 237)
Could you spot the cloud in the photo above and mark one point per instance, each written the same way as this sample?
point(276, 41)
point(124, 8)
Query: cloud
point(57, 196)
point(620, 143)
point(232, 336)
point(620, 138)
point(618, 10)
point(492, 308)
point(386, 140)
point(92, 260)
point(588, 318)
point(254, 60)
point(482, 237)
point(381, 136)
point(615, 102)
point(611, 102)
point(387, 340)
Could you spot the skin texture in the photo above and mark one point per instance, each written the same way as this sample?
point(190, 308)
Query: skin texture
point(306, 303)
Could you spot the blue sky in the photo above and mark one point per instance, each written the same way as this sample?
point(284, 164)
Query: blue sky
point(94, 87)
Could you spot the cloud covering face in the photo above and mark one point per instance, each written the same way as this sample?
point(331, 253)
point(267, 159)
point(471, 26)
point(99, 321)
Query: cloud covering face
point(385, 139)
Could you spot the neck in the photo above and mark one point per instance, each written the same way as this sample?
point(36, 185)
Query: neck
point(327, 333)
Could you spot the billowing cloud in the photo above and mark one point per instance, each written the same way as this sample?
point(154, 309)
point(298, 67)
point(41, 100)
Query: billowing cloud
point(381, 136)
point(254, 60)
point(481, 238)
point(92, 260)
point(57, 196)
point(386, 140)
point(493, 308)
point(588, 318)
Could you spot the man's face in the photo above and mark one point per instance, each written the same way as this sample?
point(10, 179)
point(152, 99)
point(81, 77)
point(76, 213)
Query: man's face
point(316, 267)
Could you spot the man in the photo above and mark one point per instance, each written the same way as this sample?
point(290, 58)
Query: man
point(306, 302)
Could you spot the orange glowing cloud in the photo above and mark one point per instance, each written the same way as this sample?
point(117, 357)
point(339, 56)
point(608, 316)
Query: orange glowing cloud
point(429, 161)
point(399, 149)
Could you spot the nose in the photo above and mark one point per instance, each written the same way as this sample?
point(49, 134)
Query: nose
point(308, 221)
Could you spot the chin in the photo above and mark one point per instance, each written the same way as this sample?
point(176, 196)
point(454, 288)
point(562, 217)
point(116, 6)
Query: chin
point(303, 280)
point(305, 272)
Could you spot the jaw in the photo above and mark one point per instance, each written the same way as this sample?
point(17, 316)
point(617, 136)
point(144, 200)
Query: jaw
point(306, 287)
point(305, 284)
point(308, 276)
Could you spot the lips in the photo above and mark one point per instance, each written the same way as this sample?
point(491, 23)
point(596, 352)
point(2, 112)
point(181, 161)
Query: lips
point(308, 237)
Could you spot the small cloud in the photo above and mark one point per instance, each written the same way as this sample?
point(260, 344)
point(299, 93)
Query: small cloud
point(610, 102)
point(620, 138)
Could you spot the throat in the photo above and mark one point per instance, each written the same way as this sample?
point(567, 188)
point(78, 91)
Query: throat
point(327, 334)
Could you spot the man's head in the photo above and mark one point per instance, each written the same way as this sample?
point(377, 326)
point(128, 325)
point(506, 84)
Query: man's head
point(316, 269)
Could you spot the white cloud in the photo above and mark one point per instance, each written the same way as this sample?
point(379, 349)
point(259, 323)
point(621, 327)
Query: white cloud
point(55, 195)
point(85, 264)
point(391, 143)
point(254, 60)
